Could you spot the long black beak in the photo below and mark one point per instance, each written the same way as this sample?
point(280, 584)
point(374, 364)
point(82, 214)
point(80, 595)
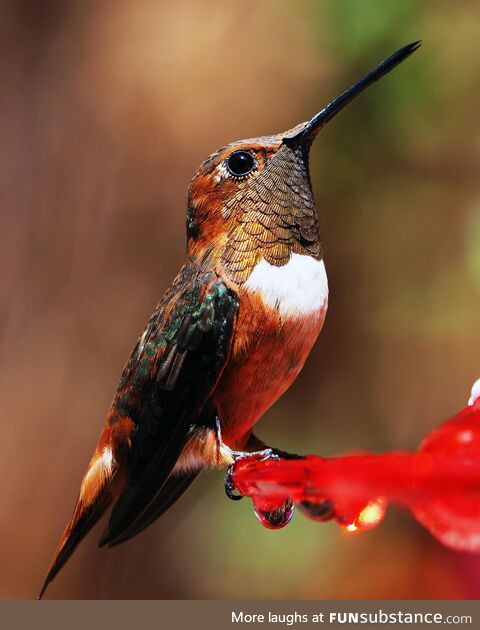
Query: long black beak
point(308, 132)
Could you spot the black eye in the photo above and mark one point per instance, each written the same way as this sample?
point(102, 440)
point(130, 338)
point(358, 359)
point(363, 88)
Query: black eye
point(241, 163)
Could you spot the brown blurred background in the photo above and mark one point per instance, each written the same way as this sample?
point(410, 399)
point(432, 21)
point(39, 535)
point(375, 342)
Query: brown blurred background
point(106, 110)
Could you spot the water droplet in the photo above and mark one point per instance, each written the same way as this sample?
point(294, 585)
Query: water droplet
point(320, 511)
point(372, 514)
point(278, 518)
point(366, 518)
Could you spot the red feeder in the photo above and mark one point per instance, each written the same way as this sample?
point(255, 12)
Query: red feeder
point(440, 484)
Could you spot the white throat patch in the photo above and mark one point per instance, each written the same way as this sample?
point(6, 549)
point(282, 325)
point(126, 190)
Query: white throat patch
point(298, 288)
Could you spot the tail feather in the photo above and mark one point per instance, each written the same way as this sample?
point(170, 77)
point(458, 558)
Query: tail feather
point(82, 521)
point(171, 491)
point(95, 497)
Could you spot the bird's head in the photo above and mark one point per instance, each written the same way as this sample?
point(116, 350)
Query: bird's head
point(252, 199)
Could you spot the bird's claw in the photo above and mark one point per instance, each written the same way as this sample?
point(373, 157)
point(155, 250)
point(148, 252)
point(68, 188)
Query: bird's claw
point(229, 485)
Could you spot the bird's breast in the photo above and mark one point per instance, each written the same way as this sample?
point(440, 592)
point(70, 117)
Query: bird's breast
point(282, 309)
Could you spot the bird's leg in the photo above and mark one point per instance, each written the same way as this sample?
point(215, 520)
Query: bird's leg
point(261, 454)
point(319, 511)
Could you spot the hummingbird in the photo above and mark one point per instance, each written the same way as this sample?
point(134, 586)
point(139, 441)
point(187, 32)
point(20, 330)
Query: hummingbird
point(228, 338)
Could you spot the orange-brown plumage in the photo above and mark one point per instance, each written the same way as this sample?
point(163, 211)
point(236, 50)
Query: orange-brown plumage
point(267, 355)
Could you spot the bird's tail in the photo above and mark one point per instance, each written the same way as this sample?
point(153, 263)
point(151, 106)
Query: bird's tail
point(95, 497)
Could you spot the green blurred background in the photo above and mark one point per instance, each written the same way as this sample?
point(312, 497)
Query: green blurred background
point(107, 108)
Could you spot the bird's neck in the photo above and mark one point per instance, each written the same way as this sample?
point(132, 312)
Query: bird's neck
point(272, 237)
point(239, 252)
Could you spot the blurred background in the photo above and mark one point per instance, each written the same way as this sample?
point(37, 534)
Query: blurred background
point(107, 108)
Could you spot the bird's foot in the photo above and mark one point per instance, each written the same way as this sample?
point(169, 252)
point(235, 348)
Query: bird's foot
point(229, 485)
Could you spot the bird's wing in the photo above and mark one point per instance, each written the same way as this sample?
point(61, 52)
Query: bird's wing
point(195, 341)
point(171, 490)
point(164, 391)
